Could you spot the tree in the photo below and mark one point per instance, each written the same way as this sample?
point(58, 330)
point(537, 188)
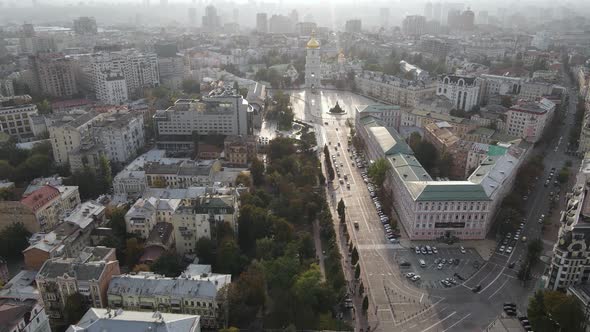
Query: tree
point(378, 170)
point(427, 155)
point(14, 239)
point(168, 264)
point(355, 256)
point(229, 259)
point(205, 250)
point(141, 268)
point(244, 179)
point(117, 222)
point(357, 271)
point(75, 307)
point(563, 175)
point(552, 310)
point(191, 86)
point(365, 304)
point(257, 171)
point(506, 101)
point(341, 209)
point(44, 107)
point(6, 170)
point(133, 250)
point(310, 290)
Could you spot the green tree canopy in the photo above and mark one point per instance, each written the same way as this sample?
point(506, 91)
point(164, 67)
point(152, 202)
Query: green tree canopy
point(75, 307)
point(14, 239)
point(378, 170)
point(169, 264)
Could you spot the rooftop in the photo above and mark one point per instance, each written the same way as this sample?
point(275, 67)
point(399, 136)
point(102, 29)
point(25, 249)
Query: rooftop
point(40, 197)
point(85, 214)
point(60, 267)
point(12, 311)
point(21, 286)
point(389, 140)
point(102, 320)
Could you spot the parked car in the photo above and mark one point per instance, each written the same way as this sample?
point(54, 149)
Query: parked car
point(462, 249)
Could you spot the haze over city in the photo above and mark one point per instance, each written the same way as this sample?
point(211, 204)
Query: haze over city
point(365, 166)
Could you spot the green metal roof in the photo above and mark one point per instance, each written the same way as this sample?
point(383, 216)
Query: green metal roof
point(452, 191)
point(495, 150)
point(389, 141)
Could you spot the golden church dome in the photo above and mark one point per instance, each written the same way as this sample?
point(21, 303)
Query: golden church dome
point(313, 43)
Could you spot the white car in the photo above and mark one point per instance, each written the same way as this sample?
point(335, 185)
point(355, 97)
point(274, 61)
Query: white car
point(416, 278)
point(502, 248)
point(410, 275)
point(462, 249)
point(439, 267)
point(508, 250)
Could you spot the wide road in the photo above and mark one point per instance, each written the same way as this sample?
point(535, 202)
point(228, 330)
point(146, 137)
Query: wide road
point(396, 303)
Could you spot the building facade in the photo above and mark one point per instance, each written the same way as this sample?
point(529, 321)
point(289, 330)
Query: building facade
point(16, 121)
point(55, 75)
point(529, 120)
point(462, 91)
point(395, 90)
point(194, 293)
point(313, 65)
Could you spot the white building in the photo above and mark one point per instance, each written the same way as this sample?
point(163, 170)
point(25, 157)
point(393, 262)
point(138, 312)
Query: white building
point(313, 66)
point(570, 262)
point(529, 120)
point(224, 115)
point(110, 87)
point(393, 89)
point(131, 181)
point(121, 135)
point(462, 91)
point(195, 292)
point(494, 85)
point(139, 70)
point(430, 209)
point(101, 320)
point(414, 25)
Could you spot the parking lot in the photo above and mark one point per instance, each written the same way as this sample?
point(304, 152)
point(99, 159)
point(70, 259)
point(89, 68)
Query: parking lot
point(435, 270)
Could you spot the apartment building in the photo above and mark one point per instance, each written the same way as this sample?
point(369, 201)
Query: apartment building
point(88, 275)
point(66, 134)
point(17, 121)
point(172, 71)
point(54, 75)
point(393, 89)
point(181, 173)
point(131, 181)
point(198, 220)
point(121, 135)
point(431, 209)
point(239, 150)
point(194, 292)
point(139, 70)
point(147, 212)
point(414, 25)
point(101, 320)
point(41, 209)
point(528, 120)
point(462, 91)
point(23, 315)
point(224, 115)
point(569, 264)
point(68, 239)
point(110, 87)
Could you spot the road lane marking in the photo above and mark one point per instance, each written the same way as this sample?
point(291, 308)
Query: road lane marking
point(440, 321)
point(497, 290)
point(459, 321)
point(421, 297)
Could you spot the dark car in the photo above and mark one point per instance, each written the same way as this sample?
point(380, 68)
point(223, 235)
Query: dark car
point(476, 289)
point(511, 265)
point(405, 263)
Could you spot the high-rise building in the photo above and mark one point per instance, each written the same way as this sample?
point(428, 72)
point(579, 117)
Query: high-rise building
point(294, 16)
point(313, 64)
point(428, 10)
point(353, 26)
point(414, 25)
point(211, 22)
point(261, 23)
point(85, 26)
point(281, 24)
point(111, 87)
point(54, 75)
point(192, 16)
point(140, 70)
point(468, 20)
point(384, 16)
point(437, 12)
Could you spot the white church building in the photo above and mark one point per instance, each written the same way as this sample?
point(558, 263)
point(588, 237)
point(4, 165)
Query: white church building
point(313, 66)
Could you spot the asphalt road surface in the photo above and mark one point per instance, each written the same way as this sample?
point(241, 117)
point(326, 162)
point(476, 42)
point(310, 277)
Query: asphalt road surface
point(395, 303)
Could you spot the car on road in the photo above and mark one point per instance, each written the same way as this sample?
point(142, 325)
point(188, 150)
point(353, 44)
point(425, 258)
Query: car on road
point(422, 263)
point(429, 250)
point(434, 250)
point(423, 251)
point(410, 275)
point(476, 289)
point(417, 249)
point(416, 278)
point(547, 183)
point(347, 185)
point(405, 263)
point(445, 283)
point(437, 261)
point(508, 250)
point(439, 267)
point(356, 224)
point(462, 249)
point(502, 248)
point(443, 261)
